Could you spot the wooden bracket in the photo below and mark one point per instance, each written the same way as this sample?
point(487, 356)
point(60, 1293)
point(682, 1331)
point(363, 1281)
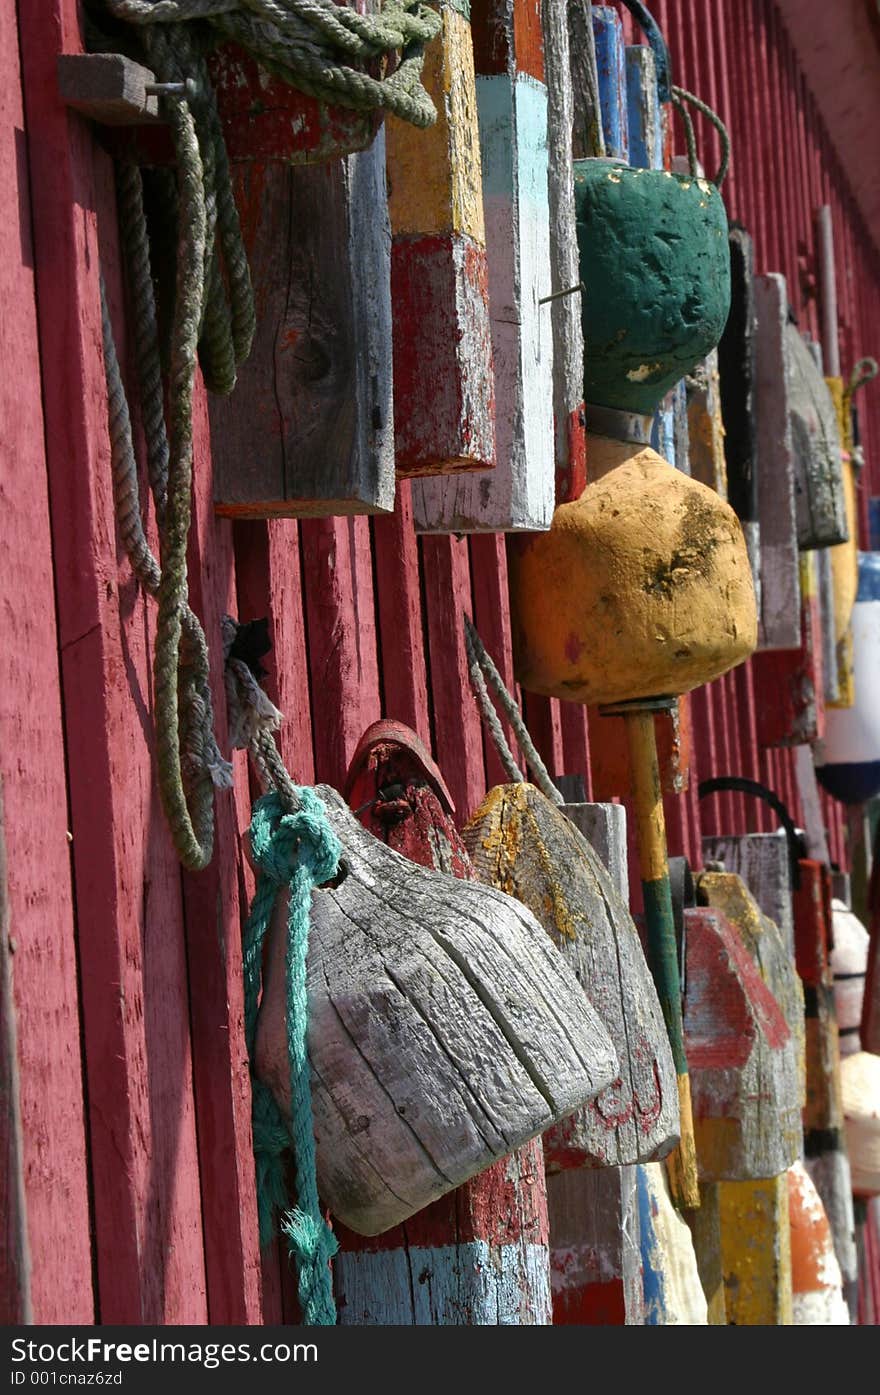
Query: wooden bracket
point(108, 88)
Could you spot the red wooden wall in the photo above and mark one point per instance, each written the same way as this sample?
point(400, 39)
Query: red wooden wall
point(134, 1095)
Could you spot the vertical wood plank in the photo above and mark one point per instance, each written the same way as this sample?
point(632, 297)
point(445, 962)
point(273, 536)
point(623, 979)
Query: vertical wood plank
point(611, 67)
point(40, 978)
point(512, 106)
point(398, 596)
point(488, 557)
point(780, 584)
point(341, 626)
point(458, 742)
point(150, 1255)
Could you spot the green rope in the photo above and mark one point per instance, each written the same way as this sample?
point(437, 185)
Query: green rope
point(294, 852)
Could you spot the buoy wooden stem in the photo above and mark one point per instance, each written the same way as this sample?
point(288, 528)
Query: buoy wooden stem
point(647, 798)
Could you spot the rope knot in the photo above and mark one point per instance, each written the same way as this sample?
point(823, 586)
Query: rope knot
point(282, 842)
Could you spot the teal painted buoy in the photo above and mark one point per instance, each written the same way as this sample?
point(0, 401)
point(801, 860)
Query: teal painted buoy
point(654, 258)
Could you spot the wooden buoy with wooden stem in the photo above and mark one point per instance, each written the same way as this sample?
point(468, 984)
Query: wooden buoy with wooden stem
point(663, 952)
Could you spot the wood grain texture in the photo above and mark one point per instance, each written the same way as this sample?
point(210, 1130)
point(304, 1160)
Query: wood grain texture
point(399, 607)
point(611, 67)
point(491, 615)
point(568, 340)
point(705, 425)
point(819, 497)
point(444, 402)
point(42, 1010)
point(644, 120)
point(107, 87)
point(796, 716)
point(745, 1083)
point(309, 429)
point(341, 625)
point(520, 843)
point(434, 1046)
point(16, 1306)
point(596, 1268)
point(705, 1228)
point(479, 1255)
point(673, 1293)
point(762, 861)
point(780, 587)
point(135, 1009)
point(519, 492)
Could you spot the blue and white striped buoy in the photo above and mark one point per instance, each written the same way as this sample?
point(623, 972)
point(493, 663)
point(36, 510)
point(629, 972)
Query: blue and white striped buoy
point(848, 760)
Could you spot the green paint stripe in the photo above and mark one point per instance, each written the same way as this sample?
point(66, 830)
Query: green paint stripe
point(663, 963)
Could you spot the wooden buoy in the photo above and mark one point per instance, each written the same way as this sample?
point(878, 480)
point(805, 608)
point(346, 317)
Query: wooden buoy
point(849, 963)
point(310, 428)
point(444, 401)
point(479, 1255)
point(745, 1085)
point(848, 760)
point(780, 576)
point(763, 941)
point(819, 497)
point(642, 586)
point(524, 845)
point(673, 1293)
point(512, 109)
point(595, 1262)
point(444, 1031)
point(796, 717)
point(763, 863)
point(816, 1284)
point(860, 1094)
point(705, 1228)
point(756, 1252)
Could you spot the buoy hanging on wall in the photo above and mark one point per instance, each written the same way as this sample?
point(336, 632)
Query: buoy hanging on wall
point(860, 1092)
point(816, 1284)
point(819, 494)
point(849, 963)
point(848, 760)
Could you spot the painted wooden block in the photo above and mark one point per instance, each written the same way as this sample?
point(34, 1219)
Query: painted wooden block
point(433, 1045)
point(780, 577)
point(309, 430)
point(596, 1268)
point(643, 118)
point(523, 844)
point(825, 588)
point(512, 109)
point(266, 119)
point(108, 87)
point(763, 862)
point(595, 1260)
point(745, 1085)
point(816, 1282)
point(705, 426)
point(444, 402)
point(848, 760)
point(819, 498)
point(479, 1255)
point(764, 941)
point(756, 1252)
point(737, 366)
point(796, 714)
point(673, 1293)
point(844, 558)
point(611, 68)
point(565, 310)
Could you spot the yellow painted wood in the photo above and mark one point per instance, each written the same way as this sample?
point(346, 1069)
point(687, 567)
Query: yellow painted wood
point(681, 1163)
point(756, 1252)
point(845, 557)
point(641, 587)
point(706, 426)
point(647, 796)
point(434, 175)
point(705, 1227)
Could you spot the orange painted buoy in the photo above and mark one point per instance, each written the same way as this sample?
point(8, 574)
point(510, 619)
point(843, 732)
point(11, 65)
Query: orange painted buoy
point(816, 1283)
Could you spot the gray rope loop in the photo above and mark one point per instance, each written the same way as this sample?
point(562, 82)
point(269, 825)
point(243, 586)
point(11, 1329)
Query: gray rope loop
point(681, 97)
point(481, 669)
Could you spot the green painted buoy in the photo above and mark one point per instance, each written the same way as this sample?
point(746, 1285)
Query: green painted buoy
point(655, 260)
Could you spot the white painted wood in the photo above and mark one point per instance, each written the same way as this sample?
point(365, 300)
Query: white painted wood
point(522, 843)
point(780, 617)
point(849, 964)
point(604, 828)
point(673, 1293)
point(519, 493)
point(444, 1030)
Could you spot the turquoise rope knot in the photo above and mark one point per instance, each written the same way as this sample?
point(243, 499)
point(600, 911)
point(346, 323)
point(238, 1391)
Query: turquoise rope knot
point(297, 851)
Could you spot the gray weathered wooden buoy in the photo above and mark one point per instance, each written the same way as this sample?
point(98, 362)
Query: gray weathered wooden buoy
point(522, 843)
point(444, 1030)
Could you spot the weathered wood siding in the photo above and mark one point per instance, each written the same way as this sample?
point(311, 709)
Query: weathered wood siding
point(126, 978)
